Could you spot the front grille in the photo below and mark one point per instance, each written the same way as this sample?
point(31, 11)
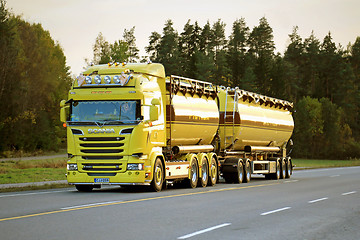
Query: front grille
point(102, 154)
point(102, 157)
point(102, 139)
point(99, 145)
point(102, 166)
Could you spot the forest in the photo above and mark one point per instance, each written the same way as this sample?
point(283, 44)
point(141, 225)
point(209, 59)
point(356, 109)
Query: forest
point(321, 77)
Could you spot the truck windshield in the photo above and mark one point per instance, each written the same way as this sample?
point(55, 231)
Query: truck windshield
point(104, 112)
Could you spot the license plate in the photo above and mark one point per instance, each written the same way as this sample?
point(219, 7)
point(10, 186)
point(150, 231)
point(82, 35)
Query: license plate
point(101, 180)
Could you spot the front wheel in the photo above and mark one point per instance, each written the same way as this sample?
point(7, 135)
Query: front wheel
point(158, 178)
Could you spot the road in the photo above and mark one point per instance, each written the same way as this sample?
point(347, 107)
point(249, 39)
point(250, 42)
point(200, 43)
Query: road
point(312, 204)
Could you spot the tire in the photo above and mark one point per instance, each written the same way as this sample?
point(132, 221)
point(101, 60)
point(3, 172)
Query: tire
point(240, 172)
point(283, 168)
point(158, 176)
point(213, 174)
point(288, 168)
point(247, 171)
point(278, 170)
point(204, 173)
point(84, 188)
point(194, 174)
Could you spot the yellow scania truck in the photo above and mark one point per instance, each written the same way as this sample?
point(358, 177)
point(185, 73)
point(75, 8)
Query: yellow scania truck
point(129, 124)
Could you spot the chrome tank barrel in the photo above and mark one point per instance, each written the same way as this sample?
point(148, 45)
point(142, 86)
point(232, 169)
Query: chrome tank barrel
point(192, 115)
point(249, 119)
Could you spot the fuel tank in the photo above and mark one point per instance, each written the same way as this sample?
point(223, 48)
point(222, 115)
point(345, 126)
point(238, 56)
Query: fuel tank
point(192, 116)
point(250, 119)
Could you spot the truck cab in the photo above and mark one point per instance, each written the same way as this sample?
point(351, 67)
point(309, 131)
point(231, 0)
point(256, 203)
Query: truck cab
point(115, 125)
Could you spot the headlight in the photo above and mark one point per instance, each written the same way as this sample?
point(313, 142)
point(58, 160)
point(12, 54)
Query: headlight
point(97, 79)
point(107, 79)
point(135, 166)
point(72, 167)
point(88, 80)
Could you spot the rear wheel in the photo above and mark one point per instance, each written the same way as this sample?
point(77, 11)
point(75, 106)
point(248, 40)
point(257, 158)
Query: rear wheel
point(213, 172)
point(194, 170)
point(278, 170)
point(283, 168)
point(247, 167)
point(240, 172)
point(158, 178)
point(84, 188)
point(288, 168)
point(204, 172)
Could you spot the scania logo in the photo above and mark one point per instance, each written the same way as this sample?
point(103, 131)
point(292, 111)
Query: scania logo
point(105, 130)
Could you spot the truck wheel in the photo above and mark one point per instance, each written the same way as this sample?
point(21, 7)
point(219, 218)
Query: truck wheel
point(158, 178)
point(204, 173)
point(278, 170)
point(194, 170)
point(247, 171)
point(213, 172)
point(84, 188)
point(240, 172)
point(283, 168)
point(288, 168)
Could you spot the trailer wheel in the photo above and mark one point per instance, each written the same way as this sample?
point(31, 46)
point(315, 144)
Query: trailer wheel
point(213, 175)
point(288, 168)
point(84, 188)
point(240, 172)
point(283, 168)
point(247, 171)
point(194, 170)
point(158, 178)
point(204, 172)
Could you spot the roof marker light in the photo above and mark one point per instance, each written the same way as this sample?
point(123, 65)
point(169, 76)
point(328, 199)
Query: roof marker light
point(88, 80)
point(97, 79)
point(107, 79)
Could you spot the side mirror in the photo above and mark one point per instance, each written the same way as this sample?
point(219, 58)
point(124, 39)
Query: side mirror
point(63, 111)
point(154, 113)
point(155, 101)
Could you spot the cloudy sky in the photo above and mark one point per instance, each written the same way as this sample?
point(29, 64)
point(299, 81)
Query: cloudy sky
point(76, 23)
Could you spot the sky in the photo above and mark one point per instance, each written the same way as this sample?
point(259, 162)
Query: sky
point(75, 24)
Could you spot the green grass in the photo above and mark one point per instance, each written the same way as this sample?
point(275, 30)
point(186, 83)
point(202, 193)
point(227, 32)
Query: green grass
point(32, 170)
point(314, 163)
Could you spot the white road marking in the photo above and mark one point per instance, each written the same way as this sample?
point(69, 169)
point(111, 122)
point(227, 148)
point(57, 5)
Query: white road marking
point(318, 200)
point(275, 211)
point(204, 231)
point(87, 205)
point(347, 193)
point(33, 193)
point(291, 181)
point(335, 176)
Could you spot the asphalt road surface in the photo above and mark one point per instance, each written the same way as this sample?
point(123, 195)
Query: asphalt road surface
point(312, 204)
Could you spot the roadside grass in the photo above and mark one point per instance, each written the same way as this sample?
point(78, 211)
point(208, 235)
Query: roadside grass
point(32, 170)
point(318, 163)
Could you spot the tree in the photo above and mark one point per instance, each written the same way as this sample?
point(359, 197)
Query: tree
point(261, 49)
point(101, 50)
point(154, 45)
point(236, 50)
point(130, 40)
point(168, 53)
point(309, 128)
